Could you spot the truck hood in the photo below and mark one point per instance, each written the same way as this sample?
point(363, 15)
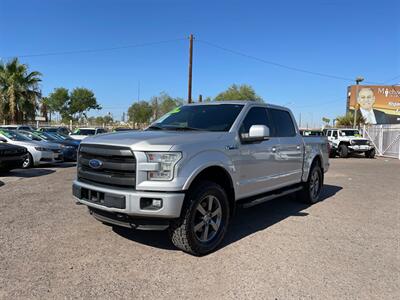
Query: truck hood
point(154, 140)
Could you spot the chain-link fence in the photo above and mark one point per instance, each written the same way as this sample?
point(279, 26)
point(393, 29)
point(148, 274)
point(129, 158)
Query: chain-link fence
point(386, 139)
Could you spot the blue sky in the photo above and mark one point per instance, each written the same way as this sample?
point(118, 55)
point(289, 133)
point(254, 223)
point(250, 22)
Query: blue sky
point(345, 38)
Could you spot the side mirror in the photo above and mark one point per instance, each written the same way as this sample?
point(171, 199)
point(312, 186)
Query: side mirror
point(3, 139)
point(257, 133)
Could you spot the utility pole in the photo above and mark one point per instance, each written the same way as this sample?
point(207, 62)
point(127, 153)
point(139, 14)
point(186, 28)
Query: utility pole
point(358, 80)
point(190, 68)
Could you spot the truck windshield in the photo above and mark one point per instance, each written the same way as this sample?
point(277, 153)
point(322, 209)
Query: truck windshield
point(219, 117)
point(349, 133)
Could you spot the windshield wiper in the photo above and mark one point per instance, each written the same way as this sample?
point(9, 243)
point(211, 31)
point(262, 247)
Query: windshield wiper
point(154, 127)
point(183, 128)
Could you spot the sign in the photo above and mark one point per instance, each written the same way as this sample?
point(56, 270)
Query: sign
point(40, 119)
point(378, 104)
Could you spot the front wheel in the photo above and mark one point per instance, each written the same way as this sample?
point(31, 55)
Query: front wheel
point(28, 162)
point(370, 153)
point(204, 219)
point(343, 151)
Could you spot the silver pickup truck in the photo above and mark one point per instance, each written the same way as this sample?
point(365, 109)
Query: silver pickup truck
point(189, 170)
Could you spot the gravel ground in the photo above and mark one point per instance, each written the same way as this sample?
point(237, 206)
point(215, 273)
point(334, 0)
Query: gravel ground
point(345, 247)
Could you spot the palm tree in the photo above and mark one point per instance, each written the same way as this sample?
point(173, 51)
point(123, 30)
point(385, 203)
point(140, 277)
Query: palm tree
point(19, 91)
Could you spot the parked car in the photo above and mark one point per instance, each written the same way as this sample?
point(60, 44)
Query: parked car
point(345, 141)
point(56, 129)
point(11, 156)
point(38, 152)
point(69, 147)
point(123, 129)
point(189, 170)
point(81, 133)
point(17, 127)
point(313, 132)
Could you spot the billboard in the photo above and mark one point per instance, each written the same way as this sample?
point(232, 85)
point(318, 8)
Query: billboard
point(378, 104)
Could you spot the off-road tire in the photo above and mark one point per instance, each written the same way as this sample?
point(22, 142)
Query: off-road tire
point(371, 153)
point(182, 232)
point(343, 151)
point(306, 194)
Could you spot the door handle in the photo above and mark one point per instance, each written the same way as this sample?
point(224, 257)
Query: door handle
point(273, 149)
point(298, 147)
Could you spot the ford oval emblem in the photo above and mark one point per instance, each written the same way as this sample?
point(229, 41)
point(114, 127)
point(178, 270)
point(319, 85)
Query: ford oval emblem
point(95, 163)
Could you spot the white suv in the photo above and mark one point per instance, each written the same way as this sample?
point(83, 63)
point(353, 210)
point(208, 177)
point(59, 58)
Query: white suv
point(345, 141)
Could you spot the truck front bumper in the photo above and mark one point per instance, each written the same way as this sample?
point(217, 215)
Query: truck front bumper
point(360, 148)
point(129, 203)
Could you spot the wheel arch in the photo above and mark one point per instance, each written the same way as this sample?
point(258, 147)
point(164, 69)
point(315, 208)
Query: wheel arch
point(219, 175)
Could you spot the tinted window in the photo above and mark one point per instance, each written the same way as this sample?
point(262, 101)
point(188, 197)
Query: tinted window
point(218, 117)
point(328, 133)
point(255, 116)
point(283, 122)
point(335, 134)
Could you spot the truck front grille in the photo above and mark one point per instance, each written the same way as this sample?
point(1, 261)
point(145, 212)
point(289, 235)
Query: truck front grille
point(360, 142)
point(107, 166)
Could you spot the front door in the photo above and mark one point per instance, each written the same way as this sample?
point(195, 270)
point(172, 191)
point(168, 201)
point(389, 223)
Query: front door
point(257, 163)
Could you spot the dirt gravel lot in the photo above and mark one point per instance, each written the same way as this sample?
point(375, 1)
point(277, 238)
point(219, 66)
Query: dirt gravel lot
point(345, 247)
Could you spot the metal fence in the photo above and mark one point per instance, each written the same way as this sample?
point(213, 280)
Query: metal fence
point(386, 139)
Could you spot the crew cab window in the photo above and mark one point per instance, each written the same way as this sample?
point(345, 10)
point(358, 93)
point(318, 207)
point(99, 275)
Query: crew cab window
point(328, 133)
point(335, 135)
point(255, 116)
point(283, 122)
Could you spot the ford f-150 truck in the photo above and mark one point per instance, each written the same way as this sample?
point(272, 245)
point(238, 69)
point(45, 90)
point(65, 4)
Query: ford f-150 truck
point(189, 170)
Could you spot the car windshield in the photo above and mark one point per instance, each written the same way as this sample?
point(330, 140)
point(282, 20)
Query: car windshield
point(49, 129)
point(14, 136)
point(349, 133)
point(85, 131)
point(218, 117)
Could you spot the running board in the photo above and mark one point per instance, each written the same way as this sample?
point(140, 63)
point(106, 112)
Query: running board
point(271, 197)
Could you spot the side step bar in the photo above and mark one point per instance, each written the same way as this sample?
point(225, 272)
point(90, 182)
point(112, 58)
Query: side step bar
point(270, 197)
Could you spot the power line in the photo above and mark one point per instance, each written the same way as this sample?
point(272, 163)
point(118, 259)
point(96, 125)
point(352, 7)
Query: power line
point(391, 79)
point(95, 49)
point(279, 64)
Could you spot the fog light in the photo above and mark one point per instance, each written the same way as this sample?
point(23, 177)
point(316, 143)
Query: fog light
point(157, 203)
point(150, 203)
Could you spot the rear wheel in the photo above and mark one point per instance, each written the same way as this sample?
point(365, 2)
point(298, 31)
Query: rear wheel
point(28, 162)
point(343, 151)
point(312, 188)
point(204, 220)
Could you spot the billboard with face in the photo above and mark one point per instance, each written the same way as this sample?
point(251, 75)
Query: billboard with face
point(378, 104)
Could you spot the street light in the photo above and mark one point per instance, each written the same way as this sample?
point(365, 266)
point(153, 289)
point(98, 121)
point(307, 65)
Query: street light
point(358, 80)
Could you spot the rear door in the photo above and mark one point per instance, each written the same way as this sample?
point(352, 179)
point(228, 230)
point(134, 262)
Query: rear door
point(291, 146)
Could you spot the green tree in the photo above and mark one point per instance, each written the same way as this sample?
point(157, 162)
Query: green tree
point(140, 112)
point(164, 103)
point(348, 120)
point(81, 101)
point(58, 101)
point(19, 91)
point(326, 121)
point(239, 92)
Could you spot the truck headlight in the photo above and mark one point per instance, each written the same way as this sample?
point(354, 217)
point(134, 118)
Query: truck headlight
point(41, 149)
point(352, 142)
point(166, 162)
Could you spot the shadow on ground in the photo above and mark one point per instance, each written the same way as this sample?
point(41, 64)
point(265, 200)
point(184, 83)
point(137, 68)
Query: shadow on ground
point(28, 173)
point(1, 183)
point(245, 222)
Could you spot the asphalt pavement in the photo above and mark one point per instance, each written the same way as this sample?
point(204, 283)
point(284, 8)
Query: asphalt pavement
point(345, 247)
